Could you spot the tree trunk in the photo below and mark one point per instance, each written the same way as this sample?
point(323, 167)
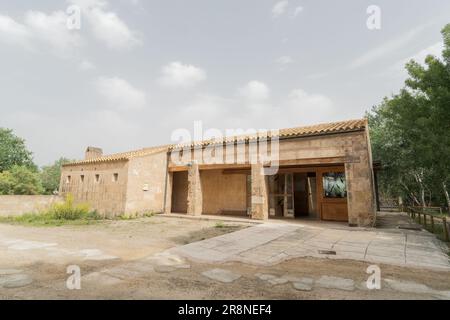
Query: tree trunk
point(413, 196)
point(422, 189)
point(447, 196)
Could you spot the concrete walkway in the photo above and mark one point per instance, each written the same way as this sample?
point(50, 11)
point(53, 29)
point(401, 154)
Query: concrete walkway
point(272, 243)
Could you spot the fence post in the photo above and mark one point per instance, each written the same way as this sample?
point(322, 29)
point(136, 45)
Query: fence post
point(425, 220)
point(444, 224)
point(432, 223)
point(420, 219)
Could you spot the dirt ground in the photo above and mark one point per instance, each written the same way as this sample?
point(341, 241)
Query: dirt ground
point(44, 253)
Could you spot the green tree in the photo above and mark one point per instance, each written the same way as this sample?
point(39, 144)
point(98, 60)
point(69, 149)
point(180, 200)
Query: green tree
point(411, 132)
point(13, 151)
point(20, 180)
point(50, 175)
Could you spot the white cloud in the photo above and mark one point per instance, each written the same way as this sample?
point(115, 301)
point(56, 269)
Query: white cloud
point(386, 49)
point(308, 108)
point(107, 26)
point(284, 61)
point(205, 107)
point(434, 50)
point(39, 28)
point(52, 29)
point(279, 8)
point(86, 65)
point(398, 69)
point(255, 91)
point(13, 32)
point(120, 94)
point(177, 74)
point(297, 11)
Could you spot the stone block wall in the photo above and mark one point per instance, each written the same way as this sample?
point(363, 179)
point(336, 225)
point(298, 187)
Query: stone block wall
point(102, 185)
point(18, 205)
point(146, 184)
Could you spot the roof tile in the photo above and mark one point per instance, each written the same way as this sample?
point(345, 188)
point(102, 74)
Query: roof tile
point(324, 128)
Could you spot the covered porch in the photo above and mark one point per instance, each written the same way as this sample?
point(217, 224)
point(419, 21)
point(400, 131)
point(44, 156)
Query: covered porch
point(307, 192)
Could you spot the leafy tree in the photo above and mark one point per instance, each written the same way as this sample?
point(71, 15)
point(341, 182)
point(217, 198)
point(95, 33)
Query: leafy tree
point(411, 132)
point(13, 151)
point(50, 175)
point(20, 180)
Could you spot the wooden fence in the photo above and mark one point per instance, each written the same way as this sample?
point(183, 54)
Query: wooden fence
point(432, 222)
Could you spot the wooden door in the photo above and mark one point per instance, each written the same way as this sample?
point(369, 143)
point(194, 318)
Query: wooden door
point(332, 194)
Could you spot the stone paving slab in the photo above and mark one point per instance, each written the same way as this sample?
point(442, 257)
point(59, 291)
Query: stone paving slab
point(221, 275)
point(15, 280)
point(270, 243)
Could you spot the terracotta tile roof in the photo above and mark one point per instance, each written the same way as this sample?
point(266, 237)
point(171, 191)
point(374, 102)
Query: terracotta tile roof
point(319, 129)
point(124, 156)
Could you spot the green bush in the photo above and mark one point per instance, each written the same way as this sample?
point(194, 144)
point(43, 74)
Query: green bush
point(68, 211)
point(20, 180)
point(59, 214)
point(220, 225)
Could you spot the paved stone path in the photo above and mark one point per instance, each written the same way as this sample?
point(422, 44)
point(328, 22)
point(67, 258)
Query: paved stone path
point(272, 243)
point(13, 278)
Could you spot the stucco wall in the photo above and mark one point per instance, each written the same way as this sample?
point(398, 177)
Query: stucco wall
point(106, 195)
point(18, 205)
point(146, 184)
point(223, 193)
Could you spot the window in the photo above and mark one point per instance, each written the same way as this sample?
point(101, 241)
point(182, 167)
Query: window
point(82, 178)
point(68, 178)
point(97, 178)
point(115, 177)
point(334, 185)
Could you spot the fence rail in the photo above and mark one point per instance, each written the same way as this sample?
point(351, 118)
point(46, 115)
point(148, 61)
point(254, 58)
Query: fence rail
point(436, 224)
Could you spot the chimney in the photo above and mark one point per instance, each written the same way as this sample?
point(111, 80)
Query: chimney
point(92, 153)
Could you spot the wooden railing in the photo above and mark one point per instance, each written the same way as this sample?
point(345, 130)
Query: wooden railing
point(435, 223)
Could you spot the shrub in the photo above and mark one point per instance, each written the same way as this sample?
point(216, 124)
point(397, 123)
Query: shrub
point(220, 225)
point(68, 211)
point(20, 180)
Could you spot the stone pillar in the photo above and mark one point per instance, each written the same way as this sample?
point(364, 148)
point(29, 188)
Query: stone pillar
point(169, 188)
point(195, 197)
point(360, 193)
point(260, 196)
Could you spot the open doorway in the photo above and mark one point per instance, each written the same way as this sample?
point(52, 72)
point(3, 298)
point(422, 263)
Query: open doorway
point(305, 195)
point(179, 192)
point(293, 195)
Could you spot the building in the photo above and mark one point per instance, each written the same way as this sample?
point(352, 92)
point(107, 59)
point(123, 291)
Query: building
point(319, 172)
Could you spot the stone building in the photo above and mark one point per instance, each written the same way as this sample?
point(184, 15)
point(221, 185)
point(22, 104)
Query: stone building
point(321, 172)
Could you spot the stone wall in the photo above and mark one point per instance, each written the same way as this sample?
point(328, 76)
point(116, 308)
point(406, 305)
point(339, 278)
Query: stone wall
point(146, 184)
point(351, 149)
point(102, 185)
point(18, 205)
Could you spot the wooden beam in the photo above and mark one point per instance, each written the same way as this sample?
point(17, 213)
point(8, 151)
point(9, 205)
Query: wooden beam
point(313, 161)
point(175, 168)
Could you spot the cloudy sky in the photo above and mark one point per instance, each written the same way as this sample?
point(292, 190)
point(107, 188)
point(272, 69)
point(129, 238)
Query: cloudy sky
point(137, 70)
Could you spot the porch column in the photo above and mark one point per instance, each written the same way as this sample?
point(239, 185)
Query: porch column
point(360, 194)
point(195, 197)
point(168, 200)
point(260, 195)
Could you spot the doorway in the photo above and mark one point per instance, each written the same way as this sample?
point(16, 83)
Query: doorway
point(305, 195)
point(179, 192)
point(293, 195)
